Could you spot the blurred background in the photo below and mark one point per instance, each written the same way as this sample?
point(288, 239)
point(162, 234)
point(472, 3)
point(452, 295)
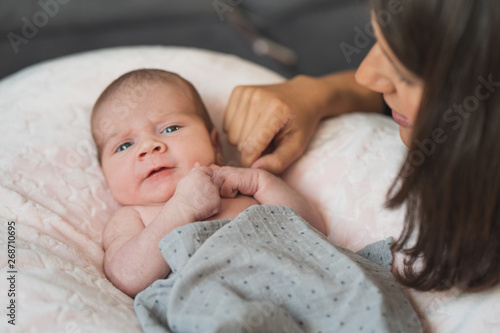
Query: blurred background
point(291, 37)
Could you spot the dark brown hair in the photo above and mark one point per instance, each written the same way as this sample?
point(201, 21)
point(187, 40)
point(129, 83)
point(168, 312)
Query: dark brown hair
point(450, 180)
point(134, 80)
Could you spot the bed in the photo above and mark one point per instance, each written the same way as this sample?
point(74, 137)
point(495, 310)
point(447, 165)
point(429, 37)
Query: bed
point(54, 201)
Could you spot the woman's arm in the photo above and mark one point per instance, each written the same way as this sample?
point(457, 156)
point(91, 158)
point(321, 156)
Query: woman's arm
point(272, 124)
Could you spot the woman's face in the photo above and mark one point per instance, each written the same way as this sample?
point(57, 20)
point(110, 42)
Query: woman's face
point(382, 72)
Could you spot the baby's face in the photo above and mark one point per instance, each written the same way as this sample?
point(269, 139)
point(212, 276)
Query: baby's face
point(149, 142)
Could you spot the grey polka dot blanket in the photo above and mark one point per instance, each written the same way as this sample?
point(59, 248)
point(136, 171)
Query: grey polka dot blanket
point(268, 270)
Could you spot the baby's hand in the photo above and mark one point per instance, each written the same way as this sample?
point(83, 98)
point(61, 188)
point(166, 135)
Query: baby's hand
point(198, 195)
point(240, 180)
point(267, 189)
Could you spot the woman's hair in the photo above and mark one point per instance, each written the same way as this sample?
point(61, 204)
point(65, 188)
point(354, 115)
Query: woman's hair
point(450, 180)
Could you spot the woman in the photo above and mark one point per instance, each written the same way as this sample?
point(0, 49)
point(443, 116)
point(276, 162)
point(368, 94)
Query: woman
point(436, 63)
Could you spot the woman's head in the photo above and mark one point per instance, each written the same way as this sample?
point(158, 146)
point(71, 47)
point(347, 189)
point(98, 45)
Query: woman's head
point(383, 72)
point(450, 180)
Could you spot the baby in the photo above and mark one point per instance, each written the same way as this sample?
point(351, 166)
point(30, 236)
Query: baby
point(161, 157)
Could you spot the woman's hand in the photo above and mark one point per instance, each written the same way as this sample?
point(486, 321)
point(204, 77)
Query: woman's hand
point(272, 124)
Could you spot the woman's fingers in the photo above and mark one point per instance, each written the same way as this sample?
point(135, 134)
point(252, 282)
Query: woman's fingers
point(236, 111)
point(287, 151)
point(272, 124)
point(231, 108)
point(251, 119)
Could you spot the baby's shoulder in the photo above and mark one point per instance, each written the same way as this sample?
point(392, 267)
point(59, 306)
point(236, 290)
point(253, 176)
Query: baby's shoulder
point(125, 211)
point(123, 216)
point(133, 214)
point(123, 220)
point(147, 213)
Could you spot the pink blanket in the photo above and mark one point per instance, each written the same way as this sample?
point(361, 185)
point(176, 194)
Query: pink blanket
point(55, 200)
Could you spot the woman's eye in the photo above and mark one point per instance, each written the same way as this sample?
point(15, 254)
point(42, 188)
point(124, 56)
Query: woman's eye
point(123, 147)
point(171, 129)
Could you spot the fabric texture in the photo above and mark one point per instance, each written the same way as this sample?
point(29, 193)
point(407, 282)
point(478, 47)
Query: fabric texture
point(379, 252)
point(269, 271)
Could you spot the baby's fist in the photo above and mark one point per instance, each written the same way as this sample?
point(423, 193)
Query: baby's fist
point(198, 194)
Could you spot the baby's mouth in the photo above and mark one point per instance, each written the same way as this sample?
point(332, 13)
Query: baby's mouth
point(153, 172)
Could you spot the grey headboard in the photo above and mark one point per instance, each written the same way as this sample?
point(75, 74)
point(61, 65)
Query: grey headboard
point(320, 33)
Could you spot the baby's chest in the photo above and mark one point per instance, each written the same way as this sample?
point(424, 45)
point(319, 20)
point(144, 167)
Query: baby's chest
point(230, 208)
point(148, 213)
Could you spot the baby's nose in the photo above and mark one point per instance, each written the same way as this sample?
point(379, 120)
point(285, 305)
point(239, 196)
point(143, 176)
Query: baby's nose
point(150, 147)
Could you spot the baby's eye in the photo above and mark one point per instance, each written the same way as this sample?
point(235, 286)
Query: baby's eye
point(171, 129)
point(123, 147)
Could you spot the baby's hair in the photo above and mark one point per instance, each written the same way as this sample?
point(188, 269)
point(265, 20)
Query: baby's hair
point(136, 79)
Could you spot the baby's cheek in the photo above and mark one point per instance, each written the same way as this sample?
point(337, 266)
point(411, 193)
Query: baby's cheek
point(120, 189)
point(205, 159)
point(122, 195)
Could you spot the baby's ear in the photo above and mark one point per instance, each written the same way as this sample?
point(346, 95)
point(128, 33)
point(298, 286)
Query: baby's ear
point(214, 137)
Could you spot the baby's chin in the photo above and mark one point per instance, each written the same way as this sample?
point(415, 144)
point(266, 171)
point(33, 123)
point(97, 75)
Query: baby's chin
point(144, 201)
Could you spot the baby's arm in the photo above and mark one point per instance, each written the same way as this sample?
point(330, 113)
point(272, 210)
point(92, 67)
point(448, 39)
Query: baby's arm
point(132, 259)
point(267, 189)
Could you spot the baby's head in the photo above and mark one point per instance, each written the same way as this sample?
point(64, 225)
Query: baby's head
point(150, 128)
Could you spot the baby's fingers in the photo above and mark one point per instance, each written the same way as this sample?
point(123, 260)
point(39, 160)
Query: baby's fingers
point(236, 180)
point(201, 170)
point(223, 180)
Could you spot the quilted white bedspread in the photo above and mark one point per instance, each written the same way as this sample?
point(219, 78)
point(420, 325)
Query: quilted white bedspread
point(55, 199)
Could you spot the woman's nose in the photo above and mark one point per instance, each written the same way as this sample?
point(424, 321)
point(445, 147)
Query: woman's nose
point(150, 147)
point(374, 72)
